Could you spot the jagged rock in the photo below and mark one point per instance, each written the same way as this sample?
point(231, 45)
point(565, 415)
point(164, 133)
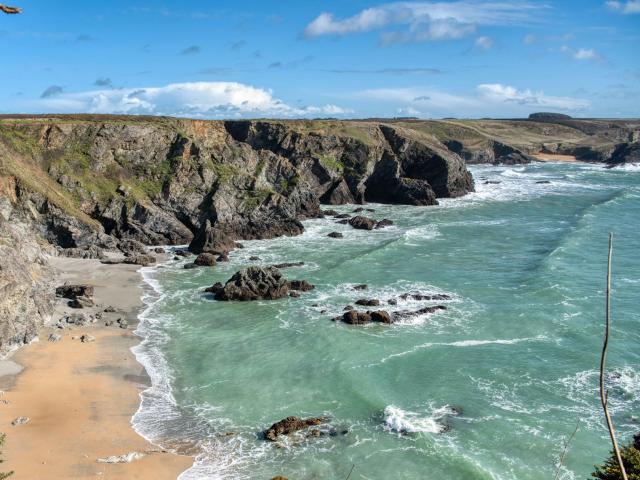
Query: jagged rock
point(385, 222)
point(354, 317)
point(74, 291)
point(20, 421)
point(361, 286)
point(81, 302)
point(338, 194)
point(143, 260)
point(254, 258)
point(291, 425)
point(362, 223)
point(381, 316)
point(368, 302)
point(91, 251)
point(254, 283)
point(109, 309)
point(223, 257)
point(78, 319)
point(422, 296)
point(408, 314)
point(342, 215)
point(131, 248)
point(215, 288)
point(335, 235)
point(300, 285)
point(289, 264)
point(205, 260)
point(330, 213)
point(54, 337)
point(294, 294)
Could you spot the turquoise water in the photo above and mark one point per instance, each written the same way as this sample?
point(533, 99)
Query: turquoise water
point(516, 351)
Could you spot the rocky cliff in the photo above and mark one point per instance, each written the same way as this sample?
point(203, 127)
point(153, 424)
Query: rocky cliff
point(98, 181)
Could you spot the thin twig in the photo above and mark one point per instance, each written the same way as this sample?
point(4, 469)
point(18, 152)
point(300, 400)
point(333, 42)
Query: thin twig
point(351, 471)
point(564, 451)
point(604, 396)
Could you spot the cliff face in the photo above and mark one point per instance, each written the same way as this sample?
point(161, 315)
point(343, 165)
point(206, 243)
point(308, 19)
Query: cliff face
point(26, 293)
point(173, 181)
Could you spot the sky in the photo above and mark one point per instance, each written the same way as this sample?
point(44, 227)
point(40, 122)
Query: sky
point(312, 59)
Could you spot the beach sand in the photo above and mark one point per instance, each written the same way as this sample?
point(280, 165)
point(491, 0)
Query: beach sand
point(80, 397)
point(554, 157)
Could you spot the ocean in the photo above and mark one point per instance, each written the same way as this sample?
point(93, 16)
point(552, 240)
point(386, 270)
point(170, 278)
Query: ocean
point(490, 388)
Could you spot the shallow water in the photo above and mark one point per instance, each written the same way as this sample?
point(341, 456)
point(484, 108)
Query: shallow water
point(516, 351)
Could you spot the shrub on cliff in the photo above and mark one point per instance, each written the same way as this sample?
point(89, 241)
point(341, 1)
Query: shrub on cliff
point(631, 459)
point(5, 474)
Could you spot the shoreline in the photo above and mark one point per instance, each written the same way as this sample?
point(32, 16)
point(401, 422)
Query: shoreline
point(81, 397)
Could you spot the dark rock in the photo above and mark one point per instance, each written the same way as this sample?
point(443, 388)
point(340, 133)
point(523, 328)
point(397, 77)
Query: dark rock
point(109, 309)
point(255, 283)
point(330, 213)
point(190, 266)
point(73, 291)
point(205, 260)
point(239, 245)
point(385, 222)
point(342, 215)
point(215, 288)
point(300, 285)
point(358, 210)
point(291, 425)
point(289, 264)
point(183, 253)
point(368, 302)
point(491, 182)
point(143, 260)
point(422, 296)
point(370, 209)
point(131, 248)
point(392, 301)
point(348, 308)
point(408, 314)
point(86, 338)
point(343, 222)
point(254, 258)
point(362, 286)
point(338, 194)
point(381, 316)
point(294, 294)
point(354, 317)
point(543, 181)
point(81, 302)
point(362, 223)
point(91, 251)
point(159, 250)
point(335, 235)
point(223, 257)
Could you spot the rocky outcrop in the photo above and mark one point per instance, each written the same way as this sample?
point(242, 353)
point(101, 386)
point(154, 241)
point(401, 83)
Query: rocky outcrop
point(291, 425)
point(254, 283)
point(167, 181)
point(26, 281)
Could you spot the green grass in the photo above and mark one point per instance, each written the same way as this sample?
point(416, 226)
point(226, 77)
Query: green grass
point(330, 162)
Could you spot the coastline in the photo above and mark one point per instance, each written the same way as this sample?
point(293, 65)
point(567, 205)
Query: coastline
point(80, 397)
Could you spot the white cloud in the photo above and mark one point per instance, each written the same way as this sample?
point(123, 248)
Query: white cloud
point(424, 21)
point(581, 53)
point(484, 43)
point(487, 99)
point(409, 111)
point(505, 93)
point(625, 7)
point(194, 99)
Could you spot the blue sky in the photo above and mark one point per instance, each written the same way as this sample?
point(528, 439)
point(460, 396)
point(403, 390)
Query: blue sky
point(342, 58)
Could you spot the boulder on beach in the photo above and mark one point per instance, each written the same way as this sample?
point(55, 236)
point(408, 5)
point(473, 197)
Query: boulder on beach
point(362, 223)
point(291, 425)
point(73, 291)
point(81, 302)
point(142, 260)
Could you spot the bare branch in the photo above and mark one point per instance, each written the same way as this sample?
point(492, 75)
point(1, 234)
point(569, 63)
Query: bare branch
point(10, 10)
point(564, 450)
point(604, 395)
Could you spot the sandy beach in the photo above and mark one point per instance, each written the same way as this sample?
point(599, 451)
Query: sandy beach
point(554, 157)
point(79, 396)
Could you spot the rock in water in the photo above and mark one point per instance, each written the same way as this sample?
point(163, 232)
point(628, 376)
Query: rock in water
point(335, 235)
point(368, 302)
point(254, 283)
point(205, 260)
point(73, 291)
point(143, 260)
point(301, 285)
point(289, 264)
point(362, 223)
point(290, 425)
point(385, 222)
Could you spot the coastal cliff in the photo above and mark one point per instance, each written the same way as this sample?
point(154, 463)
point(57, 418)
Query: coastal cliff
point(78, 185)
